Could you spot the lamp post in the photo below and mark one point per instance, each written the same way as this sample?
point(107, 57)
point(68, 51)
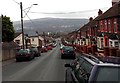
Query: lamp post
point(21, 8)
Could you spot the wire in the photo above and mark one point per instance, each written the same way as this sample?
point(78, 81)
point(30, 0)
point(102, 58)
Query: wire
point(86, 11)
point(16, 2)
point(30, 19)
point(27, 11)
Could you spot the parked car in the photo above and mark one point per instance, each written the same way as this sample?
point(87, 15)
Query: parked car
point(36, 52)
point(49, 47)
point(88, 69)
point(54, 44)
point(67, 52)
point(61, 46)
point(24, 54)
point(43, 49)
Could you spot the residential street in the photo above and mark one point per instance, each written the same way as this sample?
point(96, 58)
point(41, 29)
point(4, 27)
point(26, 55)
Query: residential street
point(48, 67)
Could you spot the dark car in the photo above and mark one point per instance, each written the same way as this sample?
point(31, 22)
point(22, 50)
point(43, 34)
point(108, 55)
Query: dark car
point(67, 52)
point(91, 70)
point(24, 54)
point(36, 52)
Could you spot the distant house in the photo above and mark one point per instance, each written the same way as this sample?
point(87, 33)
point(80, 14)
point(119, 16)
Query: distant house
point(35, 41)
point(18, 39)
point(29, 41)
point(88, 32)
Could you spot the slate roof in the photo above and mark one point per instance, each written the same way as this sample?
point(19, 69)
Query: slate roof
point(92, 23)
point(114, 11)
point(17, 34)
point(114, 36)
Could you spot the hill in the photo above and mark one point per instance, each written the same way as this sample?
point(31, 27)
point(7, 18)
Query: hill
point(54, 25)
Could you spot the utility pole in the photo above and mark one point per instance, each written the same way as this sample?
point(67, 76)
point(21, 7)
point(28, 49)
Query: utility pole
point(22, 25)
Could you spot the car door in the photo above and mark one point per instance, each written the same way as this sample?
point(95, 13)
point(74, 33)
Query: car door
point(82, 70)
point(78, 78)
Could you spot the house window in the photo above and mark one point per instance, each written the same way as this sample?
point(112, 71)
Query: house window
point(98, 42)
point(109, 26)
point(102, 43)
point(115, 25)
point(105, 25)
point(17, 41)
point(32, 39)
point(101, 25)
point(116, 44)
point(111, 44)
point(28, 40)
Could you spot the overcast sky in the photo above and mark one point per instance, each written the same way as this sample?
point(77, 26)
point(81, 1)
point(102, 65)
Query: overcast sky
point(53, 8)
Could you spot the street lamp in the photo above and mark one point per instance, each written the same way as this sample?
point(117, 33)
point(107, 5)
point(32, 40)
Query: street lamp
point(22, 20)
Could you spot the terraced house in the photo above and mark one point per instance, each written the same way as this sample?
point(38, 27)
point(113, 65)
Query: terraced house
point(104, 30)
point(109, 27)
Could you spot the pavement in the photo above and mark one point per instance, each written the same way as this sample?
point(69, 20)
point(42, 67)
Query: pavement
point(7, 62)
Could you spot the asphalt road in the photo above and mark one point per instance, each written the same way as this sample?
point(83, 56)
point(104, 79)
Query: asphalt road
point(48, 67)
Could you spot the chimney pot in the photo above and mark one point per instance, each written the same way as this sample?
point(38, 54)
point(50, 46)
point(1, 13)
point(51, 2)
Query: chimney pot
point(100, 12)
point(114, 2)
point(90, 19)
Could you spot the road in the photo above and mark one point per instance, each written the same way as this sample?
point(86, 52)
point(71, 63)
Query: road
point(48, 67)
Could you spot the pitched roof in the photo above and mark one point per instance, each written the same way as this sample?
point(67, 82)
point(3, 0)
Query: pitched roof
point(92, 23)
point(17, 34)
point(114, 37)
point(114, 11)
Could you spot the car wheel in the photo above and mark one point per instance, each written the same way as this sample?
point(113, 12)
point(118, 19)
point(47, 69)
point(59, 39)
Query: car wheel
point(61, 56)
point(30, 58)
point(17, 60)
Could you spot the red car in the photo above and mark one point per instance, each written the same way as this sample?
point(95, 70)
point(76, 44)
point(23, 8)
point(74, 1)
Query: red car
point(43, 49)
point(49, 47)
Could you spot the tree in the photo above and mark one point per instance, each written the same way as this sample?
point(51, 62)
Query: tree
point(7, 29)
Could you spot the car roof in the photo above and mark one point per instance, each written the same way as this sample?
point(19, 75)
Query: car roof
point(95, 61)
point(68, 47)
point(24, 49)
point(91, 59)
point(109, 64)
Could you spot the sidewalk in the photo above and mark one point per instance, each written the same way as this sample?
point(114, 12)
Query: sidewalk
point(7, 62)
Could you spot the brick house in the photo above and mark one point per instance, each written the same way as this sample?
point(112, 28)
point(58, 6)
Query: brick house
point(88, 32)
point(109, 27)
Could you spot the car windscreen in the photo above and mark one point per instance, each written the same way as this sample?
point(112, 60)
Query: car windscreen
point(34, 49)
point(108, 74)
point(23, 52)
point(68, 48)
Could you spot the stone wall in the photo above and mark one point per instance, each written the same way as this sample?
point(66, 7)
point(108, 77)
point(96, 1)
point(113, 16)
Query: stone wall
point(9, 50)
point(8, 54)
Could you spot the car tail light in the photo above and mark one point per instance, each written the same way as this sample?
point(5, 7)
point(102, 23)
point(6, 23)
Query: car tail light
point(62, 51)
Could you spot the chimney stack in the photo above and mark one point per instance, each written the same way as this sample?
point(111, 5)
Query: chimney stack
point(100, 12)
point(90, 19)
point(114, 2)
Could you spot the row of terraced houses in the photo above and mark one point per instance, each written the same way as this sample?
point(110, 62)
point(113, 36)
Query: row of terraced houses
point(104, 30)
